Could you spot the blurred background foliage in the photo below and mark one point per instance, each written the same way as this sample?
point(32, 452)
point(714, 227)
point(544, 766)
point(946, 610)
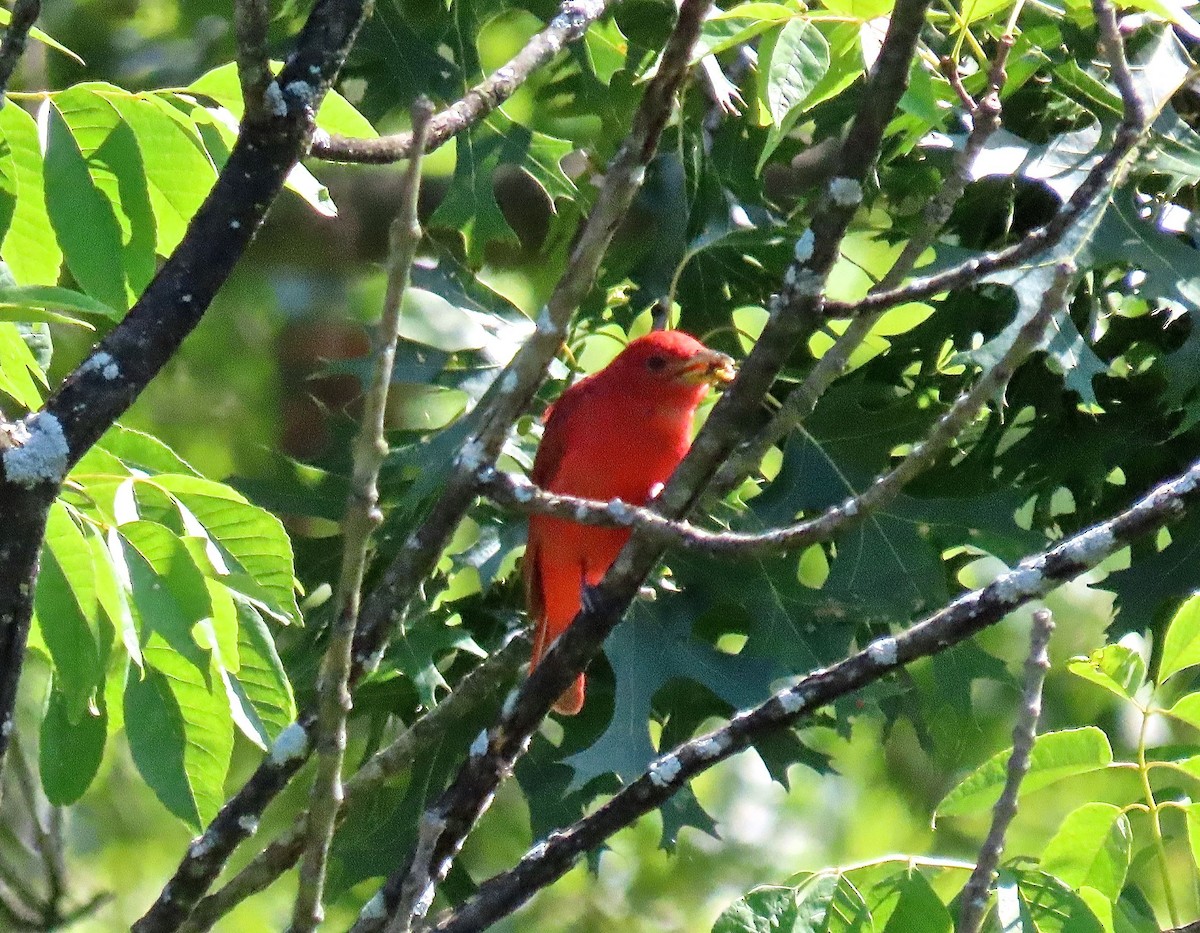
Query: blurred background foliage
point(263, 396)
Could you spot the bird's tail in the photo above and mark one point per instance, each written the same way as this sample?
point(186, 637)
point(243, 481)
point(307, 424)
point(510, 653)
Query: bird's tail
point(571, 702)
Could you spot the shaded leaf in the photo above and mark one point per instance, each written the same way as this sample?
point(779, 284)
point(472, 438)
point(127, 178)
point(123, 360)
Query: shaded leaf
point(1055, 756)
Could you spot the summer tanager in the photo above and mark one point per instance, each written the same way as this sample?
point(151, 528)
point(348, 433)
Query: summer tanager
point(616, 434)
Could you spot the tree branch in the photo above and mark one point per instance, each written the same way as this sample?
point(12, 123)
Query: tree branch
point(522, 496)
point(966, 616)
point(491, 421)
point(407, 892)
point(573, 19)
point(361, 519)
point(480, 685)
point(975, 892)
point(802, 401)
point(12, 47)
point(1102, 176)
point(251, 19)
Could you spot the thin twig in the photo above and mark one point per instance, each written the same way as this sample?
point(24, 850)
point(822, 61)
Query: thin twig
point(16, 911)
point(409, 890)
point(1099, 179)
point(45, 841)
point(361, 519)
point(573, 19)
point(975, 892)
point(386, 605)
point(12, 46)
point(476, 688)
point(984, 115)
point(251, 19)
point(523, 497)
point(460, 806)
point(1033, 578)
point(133, 352)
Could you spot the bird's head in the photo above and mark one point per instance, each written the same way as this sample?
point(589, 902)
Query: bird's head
point(673, 363)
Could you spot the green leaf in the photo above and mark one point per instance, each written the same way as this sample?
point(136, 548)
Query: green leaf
point(1181, 644)
point(180, 732)
point(1192, 812)
point(470, 204)
point(170, 595)
point(1187, 710)
point(763, 910)
point(651, 648)
point(1045, 904)
point(178, 171)
point(42, 37)
point(261, 681)
point(70, 749)
point(21, 378)
point(140, 451)
point(824, 902)
point(792, 66)
point(1116, 668)
point(1093, 847)
point(917, 906)
point(256, 548)
point(429, 319)
point(82, 197)
point(68, 611)
point(111, 592)
point(48, 303)
point(1055, 756)
point(726, 28)
point(29, 247)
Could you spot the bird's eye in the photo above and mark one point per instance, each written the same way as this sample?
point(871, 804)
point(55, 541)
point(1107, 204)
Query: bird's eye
point(656, 363)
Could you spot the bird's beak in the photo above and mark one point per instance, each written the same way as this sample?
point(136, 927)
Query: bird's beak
point(708, 367)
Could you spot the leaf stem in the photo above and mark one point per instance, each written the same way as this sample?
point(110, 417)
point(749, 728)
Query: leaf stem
point(1160, 847)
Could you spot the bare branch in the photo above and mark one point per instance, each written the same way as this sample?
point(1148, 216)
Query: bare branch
point(1099, 180)
point(524, 497)
point(458, 808)
point(802, 401)
point(387, 603)
point(25, 510)
point(975, 892)
point(108, 381)
point(573, 19)
point(966, 616)
point(361, 519)
point(12, 47)
point(46, 840)
point(475, 689)
point(251, 19)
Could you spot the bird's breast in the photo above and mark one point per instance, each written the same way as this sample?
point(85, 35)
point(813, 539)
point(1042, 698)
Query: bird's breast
point(624, 456)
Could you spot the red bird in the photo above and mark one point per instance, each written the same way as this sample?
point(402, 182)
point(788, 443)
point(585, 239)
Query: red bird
point(616, 434)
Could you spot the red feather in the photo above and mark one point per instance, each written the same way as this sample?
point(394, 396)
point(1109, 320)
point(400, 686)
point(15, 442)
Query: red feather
point(616, 434)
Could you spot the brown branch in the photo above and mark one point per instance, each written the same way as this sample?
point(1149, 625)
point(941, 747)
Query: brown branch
point(251, 19)
point(447, 823)
point(521, 496)
point(975, 892)
point(573, 19)
point(1034, 577)
point(358, 526)
point(16, 35)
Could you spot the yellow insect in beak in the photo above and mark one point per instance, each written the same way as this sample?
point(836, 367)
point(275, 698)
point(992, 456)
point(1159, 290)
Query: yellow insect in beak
point(708, 367)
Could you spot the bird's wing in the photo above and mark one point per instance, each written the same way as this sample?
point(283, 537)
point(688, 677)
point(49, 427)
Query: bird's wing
point(559, 418)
